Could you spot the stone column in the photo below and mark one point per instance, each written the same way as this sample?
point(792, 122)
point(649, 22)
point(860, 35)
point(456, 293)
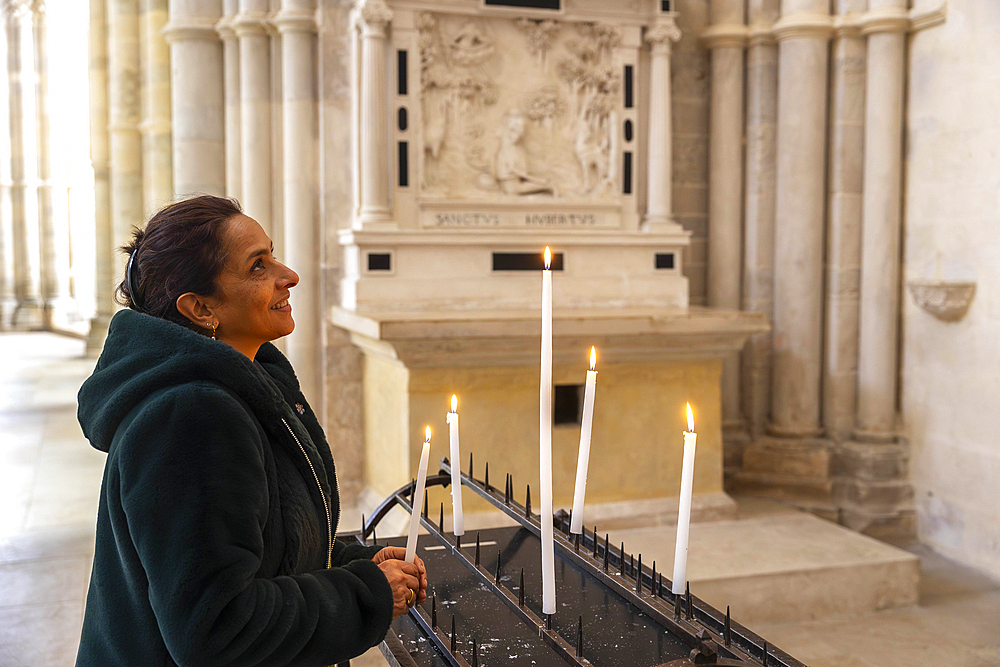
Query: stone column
point(802, 34)
point(8, 300)
point(127, 206)
point(157, 173)
point(196, 86)
point(255, 111)
point(374, 18)
point(885, 25)
point(758, 243)
point(29, 313)
point(99, 158)
point(659, 214)
point(843, 250)
point(297, 26)
point(53, 205)
point(726, 38)
point(231, 64)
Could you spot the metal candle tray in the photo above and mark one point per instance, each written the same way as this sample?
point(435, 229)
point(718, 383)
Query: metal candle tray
point(484, 598)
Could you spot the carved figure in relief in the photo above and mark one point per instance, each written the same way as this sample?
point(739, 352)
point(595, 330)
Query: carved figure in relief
point(511, 163)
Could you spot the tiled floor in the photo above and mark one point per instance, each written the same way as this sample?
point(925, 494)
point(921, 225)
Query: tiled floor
point(50, 478)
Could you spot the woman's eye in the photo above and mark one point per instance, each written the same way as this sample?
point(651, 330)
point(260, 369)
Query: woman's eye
point(259, 264)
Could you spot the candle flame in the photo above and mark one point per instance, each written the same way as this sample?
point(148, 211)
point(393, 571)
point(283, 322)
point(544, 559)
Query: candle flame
point(548, 258)
point(690, 419)
point(427, 434)
point(593, 358)
point(454, 403)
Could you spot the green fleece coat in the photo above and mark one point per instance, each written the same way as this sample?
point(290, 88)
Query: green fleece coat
point(212, 534)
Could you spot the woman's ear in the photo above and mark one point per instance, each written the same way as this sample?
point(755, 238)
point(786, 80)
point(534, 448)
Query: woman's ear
point(194, 307)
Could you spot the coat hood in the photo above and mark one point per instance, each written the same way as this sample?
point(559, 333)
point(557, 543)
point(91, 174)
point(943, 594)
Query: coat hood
point(143, 354)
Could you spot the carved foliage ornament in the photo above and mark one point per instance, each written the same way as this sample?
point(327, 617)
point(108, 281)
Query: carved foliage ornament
point(947, 301)
point(375, 13)
point(661, 33)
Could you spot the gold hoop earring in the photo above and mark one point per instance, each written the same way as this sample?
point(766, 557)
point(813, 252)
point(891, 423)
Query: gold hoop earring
point(213, 331)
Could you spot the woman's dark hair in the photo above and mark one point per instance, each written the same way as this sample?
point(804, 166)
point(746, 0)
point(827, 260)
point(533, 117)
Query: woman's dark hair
point(180, 250)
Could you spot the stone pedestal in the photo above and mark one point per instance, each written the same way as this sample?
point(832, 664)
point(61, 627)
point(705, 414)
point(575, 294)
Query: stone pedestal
point(651, 362)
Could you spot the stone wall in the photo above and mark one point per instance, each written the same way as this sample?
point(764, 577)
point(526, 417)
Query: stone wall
point(952, 203)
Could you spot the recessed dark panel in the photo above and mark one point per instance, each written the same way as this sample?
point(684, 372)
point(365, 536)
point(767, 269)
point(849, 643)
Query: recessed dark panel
point(567, 404)
point(379, 261)
point(532, 4)
point(401, 72)
point(525, 261)
point(401, 119)
point(628, 130)
point(664, 5)
point(627, 85)
point(664, 260)
point(404, 165)
point(627, 173)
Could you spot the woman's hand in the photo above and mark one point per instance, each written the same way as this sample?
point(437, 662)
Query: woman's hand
point(408, 580)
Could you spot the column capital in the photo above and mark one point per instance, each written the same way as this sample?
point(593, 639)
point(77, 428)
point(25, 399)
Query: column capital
point(374, 14)
point(292, 20)
point(847, 25)
point(759, 34)
point(663, 32)
point(16, 9)
point(189, 29)
point(38, 7)
point(225, 26)
point(928, 18)
point(888, 19)
point(733, 35)
point(245, 24)
point(804, 25)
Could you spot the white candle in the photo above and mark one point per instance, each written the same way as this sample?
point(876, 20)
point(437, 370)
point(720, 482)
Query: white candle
point(458, 523)
point(545, 444)
point(583, 462)
point(418, 500)
point(684, 508)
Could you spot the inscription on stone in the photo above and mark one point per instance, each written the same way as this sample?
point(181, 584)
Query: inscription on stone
point(521, 219)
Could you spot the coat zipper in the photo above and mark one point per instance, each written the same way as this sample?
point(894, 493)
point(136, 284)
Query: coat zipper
point(326, 505)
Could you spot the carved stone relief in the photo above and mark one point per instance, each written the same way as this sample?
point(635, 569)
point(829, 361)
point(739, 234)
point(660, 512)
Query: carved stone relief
point(518, 108)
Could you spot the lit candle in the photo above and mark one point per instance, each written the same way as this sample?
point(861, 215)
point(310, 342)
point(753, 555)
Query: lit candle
point(545, 443)
point(684, 507)
point(418, 499)
point(458, 523)
point(582, 463)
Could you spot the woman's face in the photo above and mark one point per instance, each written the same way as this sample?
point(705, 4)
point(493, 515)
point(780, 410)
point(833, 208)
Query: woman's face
point(252, 289)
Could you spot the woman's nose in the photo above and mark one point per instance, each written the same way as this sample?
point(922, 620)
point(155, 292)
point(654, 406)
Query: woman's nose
point(289, 278)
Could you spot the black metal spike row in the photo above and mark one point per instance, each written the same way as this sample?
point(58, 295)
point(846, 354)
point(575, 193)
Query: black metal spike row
point(579, 637)
point(441, 519)
point(454, 639)
point(727, 632)
point(477, 548)
point(687, 601)
point(638, 577)
point(497, 579)
point(520, 591)
point(434, 610)
point(527, 503)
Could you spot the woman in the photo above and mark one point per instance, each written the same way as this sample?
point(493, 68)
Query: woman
point(219, 507)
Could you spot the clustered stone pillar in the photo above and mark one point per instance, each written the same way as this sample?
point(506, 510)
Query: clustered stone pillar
point(758, 243)
point(8, 300)
point(374, 20)
point(255, 111)
point(157, 173)
point(100, 161)
point(297, 26)
point(659, 213)
point(802, 33)
point(231, 63)
point(726, 38)
point(196, 84)
point(843, 247)
point(28, 312)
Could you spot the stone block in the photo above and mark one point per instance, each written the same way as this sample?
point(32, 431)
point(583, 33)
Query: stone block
point(808, 459)
point(871, 462)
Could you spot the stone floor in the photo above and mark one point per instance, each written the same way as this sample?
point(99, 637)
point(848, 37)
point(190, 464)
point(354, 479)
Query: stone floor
point(50, 479)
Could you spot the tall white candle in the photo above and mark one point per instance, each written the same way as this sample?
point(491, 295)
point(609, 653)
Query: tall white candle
point(458, 523)
point(684, 508)
point(583, 461)
point(418, 499)
point(545, 443)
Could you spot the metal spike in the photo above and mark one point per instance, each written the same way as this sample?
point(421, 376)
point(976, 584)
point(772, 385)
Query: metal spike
point(486, 478)
point(659, 585)
point(458, 541)
point(454, 640)
point(520, 593)
point(441, 519)
point(497, 579)
point(475, 653)
point(727, 634)
point(579, 637)
point(527, 503)
point(631, 565)
point(638, 577)
point(764, 663)
point(687, 601)
point(548, 621)
point(576, 542)
point(413, 490)
point(621, 560)
point(595, 542)
point(470, 466)
point(606, 551)
point(677, 606)
point(423, 510)
point(477, 548)
point(652, 580)
point(506, 491)
point(364, 533)
point(434, 610)
point(374, 537)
